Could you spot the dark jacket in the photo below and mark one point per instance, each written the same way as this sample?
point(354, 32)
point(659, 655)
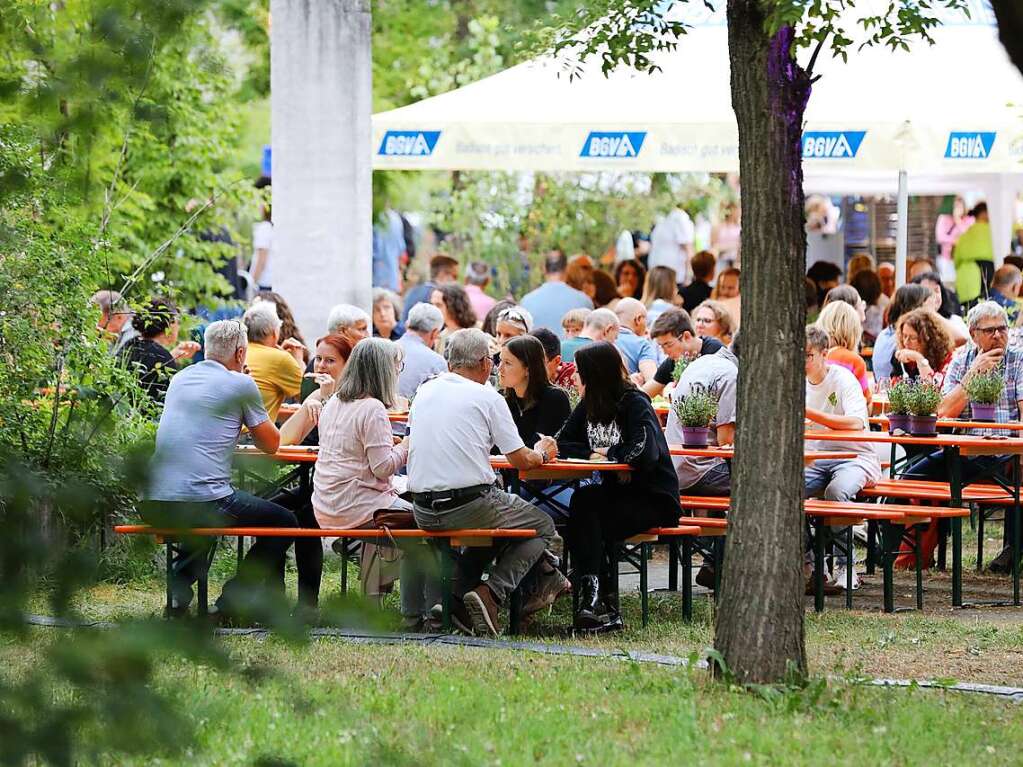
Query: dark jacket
point(546, 417)
point(640, 444)
point(153, 364)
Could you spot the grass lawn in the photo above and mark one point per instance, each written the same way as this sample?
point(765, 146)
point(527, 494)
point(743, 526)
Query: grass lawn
point(332, 701)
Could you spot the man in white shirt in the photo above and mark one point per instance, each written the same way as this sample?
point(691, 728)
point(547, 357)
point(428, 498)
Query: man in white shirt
point(454, 422)
point(671, 244)
point(834, 400)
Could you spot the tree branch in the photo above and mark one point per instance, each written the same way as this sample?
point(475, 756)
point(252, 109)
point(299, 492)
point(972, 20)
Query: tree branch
point(813, 58)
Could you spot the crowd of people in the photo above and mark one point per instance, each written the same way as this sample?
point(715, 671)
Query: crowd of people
point(480, 375)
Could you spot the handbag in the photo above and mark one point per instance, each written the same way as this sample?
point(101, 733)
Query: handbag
point(394, 519)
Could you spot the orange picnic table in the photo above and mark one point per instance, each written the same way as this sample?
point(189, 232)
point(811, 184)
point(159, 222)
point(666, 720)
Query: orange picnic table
point(728, 453)
point(959, 423)
point(289, 409)
point(953, 446)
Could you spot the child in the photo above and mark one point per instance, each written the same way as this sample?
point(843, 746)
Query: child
point(572, 322)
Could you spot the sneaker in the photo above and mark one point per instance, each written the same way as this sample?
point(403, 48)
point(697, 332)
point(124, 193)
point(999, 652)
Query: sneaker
point(551, 587)
point(482, 608)
point(841, 573)
point(459, 617)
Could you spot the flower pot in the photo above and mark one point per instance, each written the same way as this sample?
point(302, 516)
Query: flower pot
point(923, 425)
point(983, 411)
point(695, 436)
point(898, 421)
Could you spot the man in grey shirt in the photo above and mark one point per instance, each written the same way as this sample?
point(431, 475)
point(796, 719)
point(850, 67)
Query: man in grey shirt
point(718, 372)
point(206, 407)
point(425, 322)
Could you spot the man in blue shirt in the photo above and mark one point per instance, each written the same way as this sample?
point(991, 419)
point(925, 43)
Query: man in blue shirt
point(206, 407)
point(637, 350)
point(425, 322)
point(549, 302)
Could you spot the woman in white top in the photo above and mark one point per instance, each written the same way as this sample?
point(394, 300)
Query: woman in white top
point(358, 462)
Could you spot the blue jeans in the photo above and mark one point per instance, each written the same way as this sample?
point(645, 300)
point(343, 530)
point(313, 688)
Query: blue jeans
point(263, 564)
point(716, 482)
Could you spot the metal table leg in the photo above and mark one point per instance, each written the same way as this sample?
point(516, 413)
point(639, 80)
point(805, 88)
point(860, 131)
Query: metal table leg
point(956, 492)
point(687, 579)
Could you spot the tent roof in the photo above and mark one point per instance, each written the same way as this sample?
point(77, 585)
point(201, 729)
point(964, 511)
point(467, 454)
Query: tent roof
point(941, 108)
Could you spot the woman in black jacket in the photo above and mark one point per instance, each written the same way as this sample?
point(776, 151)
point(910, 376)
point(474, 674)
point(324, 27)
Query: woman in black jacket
point(614, 421)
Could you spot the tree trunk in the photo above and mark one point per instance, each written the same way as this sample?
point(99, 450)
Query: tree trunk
point(760, 617)
point(1009, 14)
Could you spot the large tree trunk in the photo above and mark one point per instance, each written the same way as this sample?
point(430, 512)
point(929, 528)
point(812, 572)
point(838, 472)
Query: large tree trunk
point(760, 618)
point(1009, 14)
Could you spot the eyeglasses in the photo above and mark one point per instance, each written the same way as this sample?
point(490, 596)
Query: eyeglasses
point(999, 329)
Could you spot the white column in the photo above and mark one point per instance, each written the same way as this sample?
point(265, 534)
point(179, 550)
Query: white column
point(1001, 209)
point(902, 231)
point(321, 94)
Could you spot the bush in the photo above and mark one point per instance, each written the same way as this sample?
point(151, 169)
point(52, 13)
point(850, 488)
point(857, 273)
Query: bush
point(985, 388)
point(924, 399)
point(698, 408)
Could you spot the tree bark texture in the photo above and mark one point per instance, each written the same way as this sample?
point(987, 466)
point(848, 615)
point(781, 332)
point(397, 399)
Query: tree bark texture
point(1009, 14)
point(759, 628)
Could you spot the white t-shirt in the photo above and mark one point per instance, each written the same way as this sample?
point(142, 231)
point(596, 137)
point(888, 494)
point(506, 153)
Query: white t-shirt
point(262, 237)
point(840, 394)
point(666, 241)
point(453, 423)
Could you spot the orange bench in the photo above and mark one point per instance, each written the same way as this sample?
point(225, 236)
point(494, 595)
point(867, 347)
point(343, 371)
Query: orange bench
point(826, 514)
point(639, 555)
point(475, 537)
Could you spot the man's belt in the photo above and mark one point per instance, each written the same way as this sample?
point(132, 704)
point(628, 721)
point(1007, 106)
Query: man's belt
point(458, 496)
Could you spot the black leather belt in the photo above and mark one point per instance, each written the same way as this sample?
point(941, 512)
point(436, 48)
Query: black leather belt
point(458, 496)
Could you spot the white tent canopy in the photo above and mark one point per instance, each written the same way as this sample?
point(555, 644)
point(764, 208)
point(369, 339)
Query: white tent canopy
point(937, 111)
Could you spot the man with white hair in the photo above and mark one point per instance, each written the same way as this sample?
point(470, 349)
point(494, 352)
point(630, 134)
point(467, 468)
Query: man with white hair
point(206, 407)
point(989, 351)
point(637, 350)
point(600, 325)
point(454, 423)
point(349, 322)
point(115, 318)
point(277, 370)
point(425, 321)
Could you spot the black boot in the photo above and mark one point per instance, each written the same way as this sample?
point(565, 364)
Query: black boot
point(590, 614)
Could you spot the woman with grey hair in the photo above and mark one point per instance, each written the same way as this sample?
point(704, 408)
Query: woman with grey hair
point(386, 314)
point(358, 462)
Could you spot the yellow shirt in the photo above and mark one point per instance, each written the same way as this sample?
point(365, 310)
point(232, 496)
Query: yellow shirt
point(277, 374)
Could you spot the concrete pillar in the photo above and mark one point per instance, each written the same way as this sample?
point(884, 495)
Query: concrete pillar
point(321, 100)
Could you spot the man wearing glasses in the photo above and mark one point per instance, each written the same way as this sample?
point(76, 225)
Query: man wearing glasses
point(989, 331)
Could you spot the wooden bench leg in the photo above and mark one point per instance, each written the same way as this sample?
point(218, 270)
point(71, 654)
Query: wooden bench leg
point(871, 561)
point(818, 567)
point(888, 534)
point(644, 596)
point(980, 537)
point(917, 554)
point(672, 564)
point(687, 579)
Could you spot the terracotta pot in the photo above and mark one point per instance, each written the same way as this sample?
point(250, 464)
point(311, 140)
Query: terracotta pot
point(983, 411)
point(923, 425)
point(695, 436)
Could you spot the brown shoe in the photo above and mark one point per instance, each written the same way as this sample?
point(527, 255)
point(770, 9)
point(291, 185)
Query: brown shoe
point(551, 587)
point(830, 589)
point(482, 608)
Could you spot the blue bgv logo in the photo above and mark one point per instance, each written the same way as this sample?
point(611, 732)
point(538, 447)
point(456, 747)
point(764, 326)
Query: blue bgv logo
point(614, 144)
point(969, 146)
point(409, 143)
point(832, 145)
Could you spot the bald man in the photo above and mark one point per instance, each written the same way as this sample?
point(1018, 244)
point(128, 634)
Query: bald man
point(886, 272)
point(637, 350)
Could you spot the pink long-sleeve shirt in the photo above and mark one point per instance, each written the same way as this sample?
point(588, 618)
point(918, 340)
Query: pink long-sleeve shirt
point(357, 459)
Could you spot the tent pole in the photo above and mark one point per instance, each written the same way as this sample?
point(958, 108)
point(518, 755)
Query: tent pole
point(902, 233)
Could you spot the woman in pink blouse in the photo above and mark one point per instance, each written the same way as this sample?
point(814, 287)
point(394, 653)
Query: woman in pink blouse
point(358, 462)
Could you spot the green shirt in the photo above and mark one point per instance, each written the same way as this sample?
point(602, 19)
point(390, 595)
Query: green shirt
point(973, 245)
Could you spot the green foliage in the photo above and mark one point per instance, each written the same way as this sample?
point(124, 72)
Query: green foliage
point(899, 396)
point(698, 408)
point(573, 395)
point(986, 388)
point(923, 399)
point(492, 215)
point(680, 367)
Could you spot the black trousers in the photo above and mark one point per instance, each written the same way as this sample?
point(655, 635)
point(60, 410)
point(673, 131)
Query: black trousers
point(603, 513)
point(308, 551)
point(263, 565)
